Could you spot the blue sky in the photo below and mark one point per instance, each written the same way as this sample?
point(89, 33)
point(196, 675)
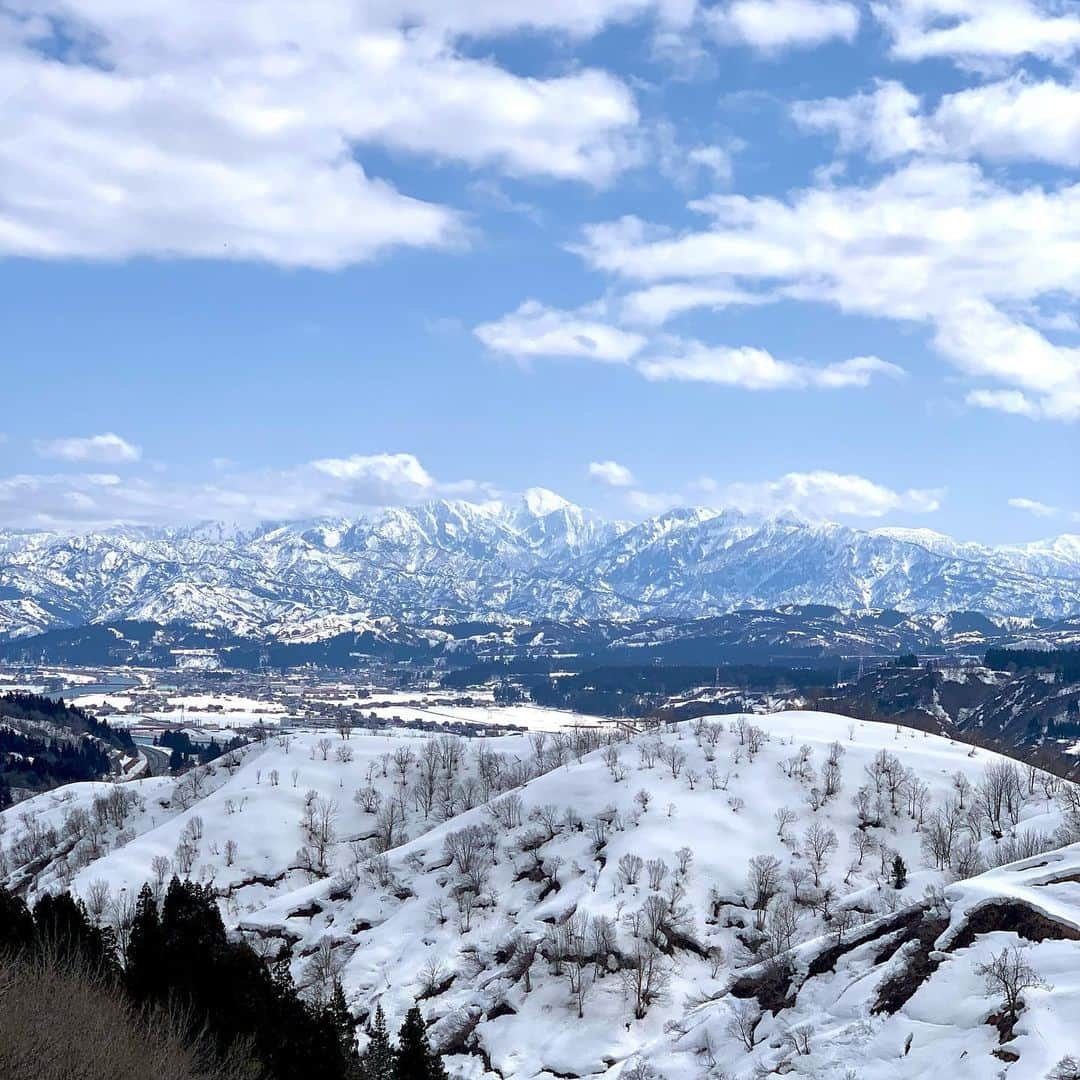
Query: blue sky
point(780, 254)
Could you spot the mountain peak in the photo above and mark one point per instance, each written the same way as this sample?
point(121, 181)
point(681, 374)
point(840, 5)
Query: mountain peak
point(541, 501)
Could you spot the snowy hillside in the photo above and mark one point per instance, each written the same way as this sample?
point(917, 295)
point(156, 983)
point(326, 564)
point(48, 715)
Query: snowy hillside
point(539, 558)
point(574, 902)
point(911, 995)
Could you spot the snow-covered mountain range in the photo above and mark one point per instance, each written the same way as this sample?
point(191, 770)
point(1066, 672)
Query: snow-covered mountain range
point(539, 558)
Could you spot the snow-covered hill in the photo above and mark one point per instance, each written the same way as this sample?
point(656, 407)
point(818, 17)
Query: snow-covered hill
point(540, 558)
point(586, 902)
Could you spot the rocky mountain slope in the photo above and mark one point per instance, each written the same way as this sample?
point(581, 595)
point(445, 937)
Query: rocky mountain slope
point(540, 559)
point(713, 898)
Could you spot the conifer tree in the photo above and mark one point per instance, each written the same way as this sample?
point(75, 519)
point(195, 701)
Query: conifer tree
point(337, 1011)
point(377, 1061)
point(146, 969)
point(415, 1060)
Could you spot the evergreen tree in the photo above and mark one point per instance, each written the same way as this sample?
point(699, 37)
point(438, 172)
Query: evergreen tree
point(5, 794)
point(337, 1011)
point(415, 1060)
point(65, 929)
point(377, 1061)
point(146, 971)
point(16, 924)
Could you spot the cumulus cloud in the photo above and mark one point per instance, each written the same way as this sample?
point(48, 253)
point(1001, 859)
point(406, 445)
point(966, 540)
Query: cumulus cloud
point(534, 330)
point(824, 494)
point(774, 25)
point(976, 32)
point(1033, 506)
point(109, 449)
point(239, 132)
point(820, 495)
point(611, 473)
point(1010, 120)
point(984, 341)
point(326, 487)
point(934, 241)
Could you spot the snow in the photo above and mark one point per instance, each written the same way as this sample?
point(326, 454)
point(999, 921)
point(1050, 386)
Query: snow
point(225, 702)
point(541, 559)
point(533, 717)
point(102, 701)
point(385, 927)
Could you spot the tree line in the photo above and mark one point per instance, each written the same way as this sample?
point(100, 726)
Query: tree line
point(1063, 662)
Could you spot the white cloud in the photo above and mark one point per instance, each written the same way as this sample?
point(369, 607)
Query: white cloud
point(823, 494)
point(1013, 402)
point(1012, 119)
point(230, 132)
point(756, 369)
point(651, 503)
point(611, 473)
point(984, 341)
point(534, 330)
point(978, 31)
point(774, 25)
point(1033, 506)
point(380, 478)
point(933, 241)
point(110, 449)
point(718, 160)
point(658, 304)
point(819, 495)
point(327, 487)
point(885, 123)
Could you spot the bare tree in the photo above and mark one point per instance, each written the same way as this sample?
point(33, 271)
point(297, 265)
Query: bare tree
point(389, 826)
point(685, 857)
point(98, 895)
point(781, 926)
point(122, 919)
point(657, 872)
point(403, 758)
point(1009, 974)
point(369, 799)
point(159, 867)
point(630, 867)
point(762, 884)
point(798, 1039)
point(784, 817)
point(861, 843)
point(674, 758)
point(323, 746)
point(820, 843)
point(940, 833)
point(645, 975)
point(743, 1022)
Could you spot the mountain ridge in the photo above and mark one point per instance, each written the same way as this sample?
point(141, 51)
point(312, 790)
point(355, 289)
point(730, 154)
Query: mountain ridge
point(540, 558)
